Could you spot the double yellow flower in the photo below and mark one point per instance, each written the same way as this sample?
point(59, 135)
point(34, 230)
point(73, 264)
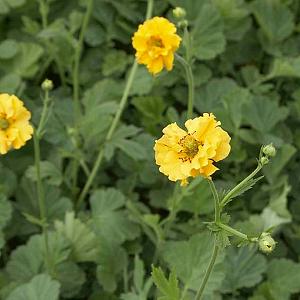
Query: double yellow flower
point(15, 129)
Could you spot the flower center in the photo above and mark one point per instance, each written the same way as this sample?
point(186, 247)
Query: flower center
point(190, 145)
point(3, 124)
point(156, 42)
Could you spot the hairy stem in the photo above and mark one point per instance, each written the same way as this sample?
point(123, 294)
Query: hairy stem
point(77, 105)
point(41, 199)
point(114, 123)
point(215, 248)
point(236, 233)
point(190, 82)
point(208, 270)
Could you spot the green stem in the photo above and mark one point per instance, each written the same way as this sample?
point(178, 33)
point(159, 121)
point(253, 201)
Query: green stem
point(77, 105)
point(190, 82)
point(41, 198)
point(228, 196)
point(43, 115)
point(78, 51)
point(114, 123)
point(208, 270)
point(236, 233)
point(216, 248)
point(216, 200)
point(44, 12)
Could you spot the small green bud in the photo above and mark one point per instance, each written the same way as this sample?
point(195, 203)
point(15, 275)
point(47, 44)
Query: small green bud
point(266, 243)
point(183, 24)
point(47, 85)
point(269, 150)
point(179, 12)
point(264, 160)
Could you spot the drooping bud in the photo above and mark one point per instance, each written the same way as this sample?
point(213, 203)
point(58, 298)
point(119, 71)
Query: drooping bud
point(269, 150)
point(47, 85)
point(266, 243)
point(179, 12)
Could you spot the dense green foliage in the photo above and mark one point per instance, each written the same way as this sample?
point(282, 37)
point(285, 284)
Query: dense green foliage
point(246, 62)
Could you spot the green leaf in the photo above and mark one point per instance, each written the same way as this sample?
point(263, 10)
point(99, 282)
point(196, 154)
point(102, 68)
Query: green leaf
point(234, 102)
point(245, 187)
point(151, 108)
point(8, 49)
point(283, 278)
point(143, 82)
point(83, 241)
point(132, 148)
point(208, 37)
point(10, 83)
point(112, 260)
point(236, 18)
point(263, 114)
point(285, 66)
point(5, 211)
point(8, 181)
point(209, 97)
point(197, 197)
point(138, 274)
point(40, 287)
point(244, 268)
point(49, 172)
point(71, 278)
point(194, 256)
point(28, 260)
point(274, 18)
point(24, 63)
point(110, 221)
point(27, 201)
point(168, 287)
point(275, 167)
point(115, 62)
point(278, 202)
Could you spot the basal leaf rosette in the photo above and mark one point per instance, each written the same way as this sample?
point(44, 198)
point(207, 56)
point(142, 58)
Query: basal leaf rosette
point(182, 154)
point(15, 129)
point(155, 43)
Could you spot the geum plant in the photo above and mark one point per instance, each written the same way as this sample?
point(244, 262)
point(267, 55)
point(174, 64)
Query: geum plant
point(188, 154)
point(182, 155)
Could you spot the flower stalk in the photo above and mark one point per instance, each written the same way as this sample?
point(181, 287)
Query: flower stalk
point(114, 123)
point(190, 81)
point(37, 135)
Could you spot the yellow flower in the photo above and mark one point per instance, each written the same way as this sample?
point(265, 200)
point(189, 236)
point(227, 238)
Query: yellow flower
point(155, 43)
point(15, 128)
point(182, 154)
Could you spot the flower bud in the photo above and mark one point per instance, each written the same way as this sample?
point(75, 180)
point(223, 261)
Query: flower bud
point(182, 24)
point(264, 160)
point(269, 150)
point(179, 12)
point(266, 243)
point(47, 85)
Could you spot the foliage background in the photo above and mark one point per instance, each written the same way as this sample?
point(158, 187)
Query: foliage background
point(247, 69)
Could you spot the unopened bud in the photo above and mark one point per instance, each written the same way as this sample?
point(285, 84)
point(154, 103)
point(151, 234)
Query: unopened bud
point(182, 24)
point(47, 85)
point(266, 243)
point(269, 150)
point(264, 160)
point(179, 12)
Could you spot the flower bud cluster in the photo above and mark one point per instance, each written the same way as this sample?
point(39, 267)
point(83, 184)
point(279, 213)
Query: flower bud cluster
point(179, 13)
point(267, 152)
